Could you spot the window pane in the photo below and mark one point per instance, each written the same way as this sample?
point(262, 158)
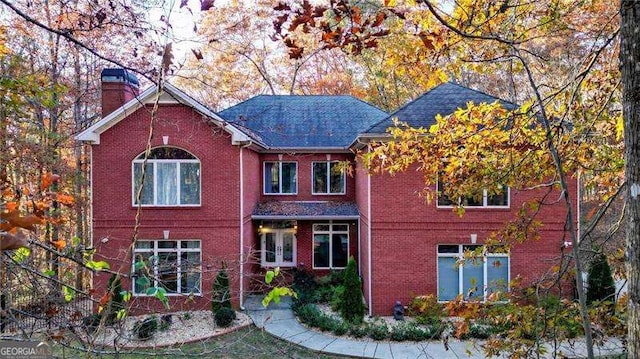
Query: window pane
point(340, 250)
point(497, 274)
point(271, 177)
point(442, 199)
point(499, 199)
point(190, 244)
point(473, 279)
point(289, 177)
point(270, 247)
point(321, 250)
point(168, 271)
point(144, 245)
point(167, 244)
point(337, 178)
point(190, 272)
point(145, 271)
point(189, 183)
point(320, 177)
point(448, 280)
point(448, 248)
point(168, 153)
point(320, 227)
point(167, 183)
point(341, 227)
point(147, 190)
point(472, 202)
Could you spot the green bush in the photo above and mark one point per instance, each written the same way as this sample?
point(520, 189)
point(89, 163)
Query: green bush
point(600, 284)
point(358, 331)
point(91, 322)
point(165, 322)
point(340, 328)
point(352, 302)
point(378, 331)
point(305, 286)
point(145, 329)
point(116, 302)
point(221, 295)
point(426, 310)
point(336, 297)
point(308, 313)
point(224, 317)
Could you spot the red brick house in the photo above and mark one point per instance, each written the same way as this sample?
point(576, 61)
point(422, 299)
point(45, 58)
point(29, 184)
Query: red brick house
point(261, 184)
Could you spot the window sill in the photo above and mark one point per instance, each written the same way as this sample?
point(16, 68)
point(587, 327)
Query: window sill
point(174, 295)
point(280, 194)
point(476, 207)
point(194, 206)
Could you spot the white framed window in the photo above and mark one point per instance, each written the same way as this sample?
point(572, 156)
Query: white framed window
point(175, 266)
point(499, 200)
point(330, 245)
point(172, 178)
point(328, 177)
point(474, 278)
point(280, 177)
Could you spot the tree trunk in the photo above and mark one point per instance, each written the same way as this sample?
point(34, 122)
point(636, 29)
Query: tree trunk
point(629, 67)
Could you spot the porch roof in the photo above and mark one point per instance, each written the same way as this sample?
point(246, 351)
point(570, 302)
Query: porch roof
point(306, 210)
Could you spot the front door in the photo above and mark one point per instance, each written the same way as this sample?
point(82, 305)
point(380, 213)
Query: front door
point(278, 247)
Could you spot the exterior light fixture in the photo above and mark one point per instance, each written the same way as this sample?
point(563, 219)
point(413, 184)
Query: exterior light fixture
point(474, 238)
point(165, 234)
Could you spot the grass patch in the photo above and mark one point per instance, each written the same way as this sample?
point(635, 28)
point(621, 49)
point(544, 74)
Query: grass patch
point(249, 342)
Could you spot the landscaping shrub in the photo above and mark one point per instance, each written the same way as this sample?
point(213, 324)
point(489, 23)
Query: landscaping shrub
point(600, 284)
point(358, 331)
point(91, 322)
point(116, 302)
point(340, 327)
point(165, 322)
point(378, 331)
point(305, 286)
point(145, 329)
point(308, 313)
point(426, 310)
point(224, 317)
point(336, 297)
point(352, 303)
point(221, 295)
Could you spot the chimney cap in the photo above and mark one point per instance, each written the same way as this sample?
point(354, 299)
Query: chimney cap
point(119, 75)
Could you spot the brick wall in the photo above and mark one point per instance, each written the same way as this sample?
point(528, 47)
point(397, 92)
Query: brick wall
point(406, 231)
point(215, 222)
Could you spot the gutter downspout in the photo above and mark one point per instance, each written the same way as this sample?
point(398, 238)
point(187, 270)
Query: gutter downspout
point(369, 243)
point(241, 299)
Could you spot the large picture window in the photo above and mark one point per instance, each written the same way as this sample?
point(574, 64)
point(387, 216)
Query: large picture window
point(500, 199)
point(473, 277)
point(280, 177)
point(172, 178)
point(172, 265)
point(330, 245)
point(328, 178)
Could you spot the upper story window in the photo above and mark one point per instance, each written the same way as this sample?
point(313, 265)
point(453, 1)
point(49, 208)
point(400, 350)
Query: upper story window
point(280, 177)
point(499, 200)
point(172, 178)
point(328, 178)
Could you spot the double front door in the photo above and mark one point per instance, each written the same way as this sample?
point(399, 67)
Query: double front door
point(278, 247)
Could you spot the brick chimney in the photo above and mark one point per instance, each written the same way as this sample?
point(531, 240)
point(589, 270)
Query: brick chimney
point(119, 86)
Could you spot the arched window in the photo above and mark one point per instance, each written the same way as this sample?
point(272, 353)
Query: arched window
point(172, 178)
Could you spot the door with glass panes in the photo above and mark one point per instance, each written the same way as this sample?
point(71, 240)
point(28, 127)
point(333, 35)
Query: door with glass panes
point(278, 247)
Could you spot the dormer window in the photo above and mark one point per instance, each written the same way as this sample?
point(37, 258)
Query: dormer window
point(280, 177)
point(172, 178)
point(328, 178)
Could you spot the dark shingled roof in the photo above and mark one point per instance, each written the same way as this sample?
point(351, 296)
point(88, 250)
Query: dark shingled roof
point(304, 121)
point(444, 100)
point(302, 210)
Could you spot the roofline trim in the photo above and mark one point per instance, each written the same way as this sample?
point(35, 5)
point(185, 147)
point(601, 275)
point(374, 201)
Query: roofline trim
point(274, 217)
point(93, 132)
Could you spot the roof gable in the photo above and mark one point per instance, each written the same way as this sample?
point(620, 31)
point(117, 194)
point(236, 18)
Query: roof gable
point(169, 94)
point(304, 122)
point(443, 99)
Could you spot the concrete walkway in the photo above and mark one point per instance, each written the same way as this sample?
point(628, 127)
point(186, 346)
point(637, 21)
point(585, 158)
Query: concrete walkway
point(279, 320)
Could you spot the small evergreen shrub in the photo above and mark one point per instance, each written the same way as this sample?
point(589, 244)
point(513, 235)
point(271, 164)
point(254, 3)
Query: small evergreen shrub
point(221, 295)
point(224, 317)
point(336, 297)
point(91, 322)
point(378, 331)
point(145, 329)
point(165, 322)
point(600, 284)
point(340, 328)
point(305, 286)
point(358, 331)
point(116, 302)
point(352, 302)
point(308, 314)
